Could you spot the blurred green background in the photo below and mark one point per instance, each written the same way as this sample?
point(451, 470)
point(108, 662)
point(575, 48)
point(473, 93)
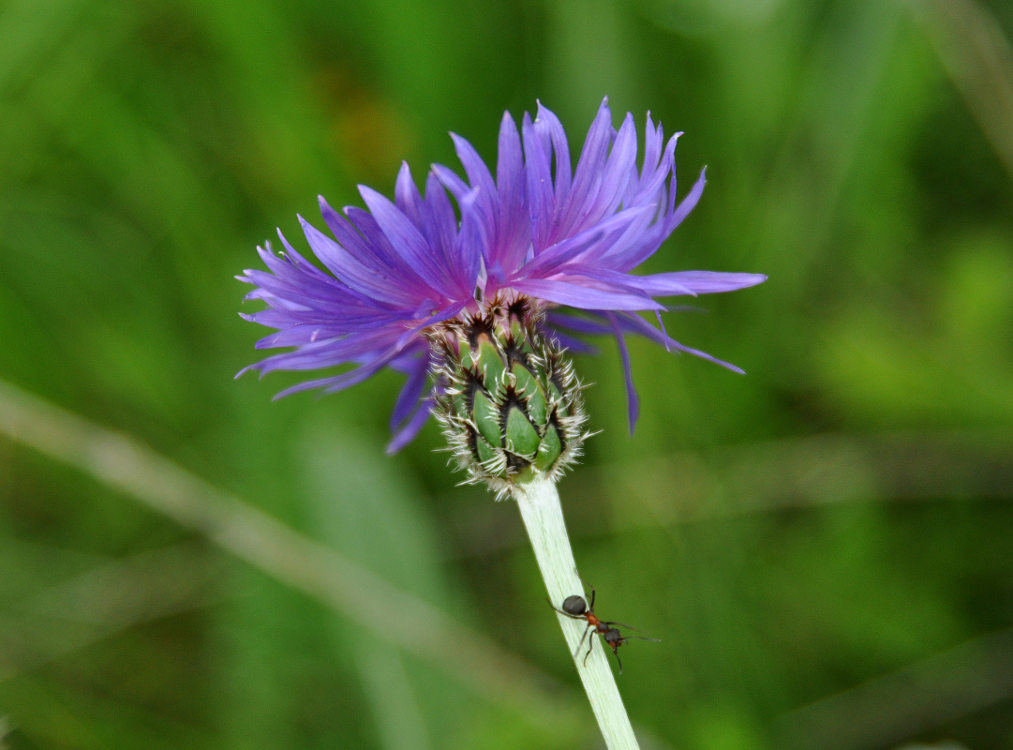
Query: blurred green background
point(823, 546)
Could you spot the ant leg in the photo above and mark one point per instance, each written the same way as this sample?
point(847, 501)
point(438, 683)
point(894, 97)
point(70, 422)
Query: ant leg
point(590, 644)
point(590, 607)
point(581, 641)
point(618, 661)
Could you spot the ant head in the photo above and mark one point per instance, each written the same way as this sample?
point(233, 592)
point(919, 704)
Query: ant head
point(614, 638)
point(574, 605)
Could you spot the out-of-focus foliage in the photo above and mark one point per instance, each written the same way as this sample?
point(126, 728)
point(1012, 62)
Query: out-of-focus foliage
point(823, 546)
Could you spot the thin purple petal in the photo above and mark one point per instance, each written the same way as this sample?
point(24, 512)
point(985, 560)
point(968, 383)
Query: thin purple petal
point(407, 432)
point(585, 297)
point(633, 400)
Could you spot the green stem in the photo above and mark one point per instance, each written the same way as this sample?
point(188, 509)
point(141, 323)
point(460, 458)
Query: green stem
point(542, 514)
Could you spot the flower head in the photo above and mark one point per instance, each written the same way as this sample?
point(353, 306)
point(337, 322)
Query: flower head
point(401, 278)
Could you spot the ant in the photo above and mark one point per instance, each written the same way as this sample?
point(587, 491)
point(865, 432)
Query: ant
point(576, 608)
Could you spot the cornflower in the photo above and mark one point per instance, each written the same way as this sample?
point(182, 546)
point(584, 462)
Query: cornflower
point(476, 289)
point(410, 286)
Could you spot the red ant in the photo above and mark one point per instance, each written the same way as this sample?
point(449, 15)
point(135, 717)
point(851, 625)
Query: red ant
point(576, 608)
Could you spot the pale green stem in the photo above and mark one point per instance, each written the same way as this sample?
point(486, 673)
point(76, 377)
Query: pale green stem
point(542, 514)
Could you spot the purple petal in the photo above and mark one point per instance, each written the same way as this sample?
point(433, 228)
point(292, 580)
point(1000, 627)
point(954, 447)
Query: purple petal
point(411, 427)
point(362, 239)
point(406, 194)
point(330, 353)
point(451, 180)
point(579, 324)
point(572, 344)
point(332, 218)
point(439, 223)
point(619, 169)
point(689, 202)
point(548, 126)
point(539, 185)
point(585, 297)
point(694, 282)
point(592, 156)
point(476, 234)
point(641, 326)
point(407, 241)
point(606, 232)
point(408, 400)
point(349, 270)
point(336, 383)
point(510, 241)
point(633, 400)
point(475, 168)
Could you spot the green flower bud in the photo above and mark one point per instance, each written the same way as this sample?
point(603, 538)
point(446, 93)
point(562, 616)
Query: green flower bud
point(507, 398)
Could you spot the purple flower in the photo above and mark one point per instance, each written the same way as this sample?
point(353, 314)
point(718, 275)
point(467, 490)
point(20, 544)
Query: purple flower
point(538, 228)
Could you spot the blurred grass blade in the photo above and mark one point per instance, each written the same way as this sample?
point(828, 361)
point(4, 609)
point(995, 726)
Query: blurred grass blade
point(979, 59)
point(908, 702)
point(358, 506)
point(102, 601)
point(369, 601)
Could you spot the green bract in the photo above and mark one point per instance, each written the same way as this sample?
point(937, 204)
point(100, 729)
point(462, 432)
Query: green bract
point(508, 400)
